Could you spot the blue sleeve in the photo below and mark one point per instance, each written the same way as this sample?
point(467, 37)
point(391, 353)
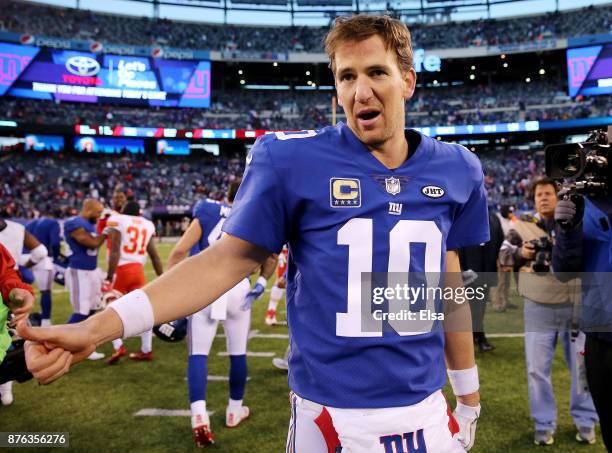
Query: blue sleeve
point(69, 227)
point(30, 226)
point(197, 209)
point(72, 225)
point(471, 224)
point(259, 214)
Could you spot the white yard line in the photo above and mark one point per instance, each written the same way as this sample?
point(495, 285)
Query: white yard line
point(250, 354)
point(213, 378)
point(155, 412)
point(255, 334)
point(278, 336)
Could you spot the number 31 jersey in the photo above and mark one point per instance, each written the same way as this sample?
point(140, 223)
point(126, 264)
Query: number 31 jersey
point(136, 232)
point(343, 213)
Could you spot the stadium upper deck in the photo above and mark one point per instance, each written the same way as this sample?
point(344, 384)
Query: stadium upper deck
point(69, 23)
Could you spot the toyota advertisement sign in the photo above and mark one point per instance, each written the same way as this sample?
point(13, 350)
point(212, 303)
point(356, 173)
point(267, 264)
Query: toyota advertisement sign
point(67, 75)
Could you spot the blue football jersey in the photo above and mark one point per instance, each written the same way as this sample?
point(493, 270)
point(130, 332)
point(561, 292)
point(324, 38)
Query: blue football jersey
point(82, 257)
point(211, 215)
point(47, 231)
point(343, 213)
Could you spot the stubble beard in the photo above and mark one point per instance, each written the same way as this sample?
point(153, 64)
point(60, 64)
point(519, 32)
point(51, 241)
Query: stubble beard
point(378, 139)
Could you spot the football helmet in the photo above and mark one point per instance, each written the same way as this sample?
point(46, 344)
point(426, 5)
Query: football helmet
point(173, 331)
point(108, 297)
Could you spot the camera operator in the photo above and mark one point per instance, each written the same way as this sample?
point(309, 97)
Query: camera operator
point(584, 241)
point(549, 307)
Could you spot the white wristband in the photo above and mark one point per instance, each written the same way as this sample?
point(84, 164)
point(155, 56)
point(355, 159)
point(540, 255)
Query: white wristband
point(465, 381)
point(135, 311)
point(262, 281)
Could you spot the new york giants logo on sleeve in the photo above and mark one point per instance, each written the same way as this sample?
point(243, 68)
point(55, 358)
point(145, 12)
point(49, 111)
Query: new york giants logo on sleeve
point(344, 193)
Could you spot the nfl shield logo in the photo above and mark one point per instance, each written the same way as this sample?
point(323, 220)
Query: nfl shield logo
point(392, 185)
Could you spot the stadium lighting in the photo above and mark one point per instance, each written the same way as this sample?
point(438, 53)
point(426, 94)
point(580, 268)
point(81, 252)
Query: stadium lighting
point(242, 82)
point(275, 64)
point(472, 76)
point(435, 82)
point(505, 65)
point(473, 68)
point(503, 56)
point(309, 82)
point(307, 72)
point(240, 71)
point(528, 79)
point(542, 71)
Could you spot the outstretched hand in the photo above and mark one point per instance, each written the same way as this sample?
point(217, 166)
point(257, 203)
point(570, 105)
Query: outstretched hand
point(50, 351)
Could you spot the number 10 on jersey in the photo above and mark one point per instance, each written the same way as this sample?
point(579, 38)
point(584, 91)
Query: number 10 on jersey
point(358, 235)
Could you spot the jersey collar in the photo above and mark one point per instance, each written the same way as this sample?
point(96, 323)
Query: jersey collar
point(413, 166)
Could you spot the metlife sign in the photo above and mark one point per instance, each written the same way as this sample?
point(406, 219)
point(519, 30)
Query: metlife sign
point(426, 62)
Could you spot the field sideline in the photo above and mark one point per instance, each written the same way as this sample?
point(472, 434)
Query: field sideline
point(96, 403)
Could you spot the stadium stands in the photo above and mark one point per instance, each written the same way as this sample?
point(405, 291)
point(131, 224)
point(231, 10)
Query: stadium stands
point(80, 24)
point(291, 110)
point(34, 180)
point(58, 184)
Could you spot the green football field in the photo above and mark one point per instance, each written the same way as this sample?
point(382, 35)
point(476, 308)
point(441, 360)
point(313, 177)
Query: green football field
point(99, 404)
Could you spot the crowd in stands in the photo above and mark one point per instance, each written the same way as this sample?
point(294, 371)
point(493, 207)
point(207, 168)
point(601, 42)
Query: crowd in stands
point(294, 110)
point(57, 184)
point(509, 174)
point(22, 17)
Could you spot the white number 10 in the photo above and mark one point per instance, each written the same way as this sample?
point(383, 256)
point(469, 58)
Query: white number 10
point(358, 235)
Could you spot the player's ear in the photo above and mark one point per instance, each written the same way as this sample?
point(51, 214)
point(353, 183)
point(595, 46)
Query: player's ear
point(337, 93)
point(409, 83)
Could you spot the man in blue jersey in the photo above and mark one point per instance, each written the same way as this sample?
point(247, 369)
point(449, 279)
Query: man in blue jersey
point(82, 279)
point(204, 230)
point(360, 197)
point(47, 231)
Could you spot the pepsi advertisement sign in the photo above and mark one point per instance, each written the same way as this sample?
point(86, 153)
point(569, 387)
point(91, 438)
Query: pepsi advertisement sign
point(68, 75)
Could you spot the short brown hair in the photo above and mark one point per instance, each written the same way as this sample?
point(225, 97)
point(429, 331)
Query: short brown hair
point(543, 181)
point(359, 27)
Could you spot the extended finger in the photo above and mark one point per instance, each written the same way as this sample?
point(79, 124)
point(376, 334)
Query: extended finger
point(38, 334)
point(60, 368)
point(38, 359)
point(44, 376)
